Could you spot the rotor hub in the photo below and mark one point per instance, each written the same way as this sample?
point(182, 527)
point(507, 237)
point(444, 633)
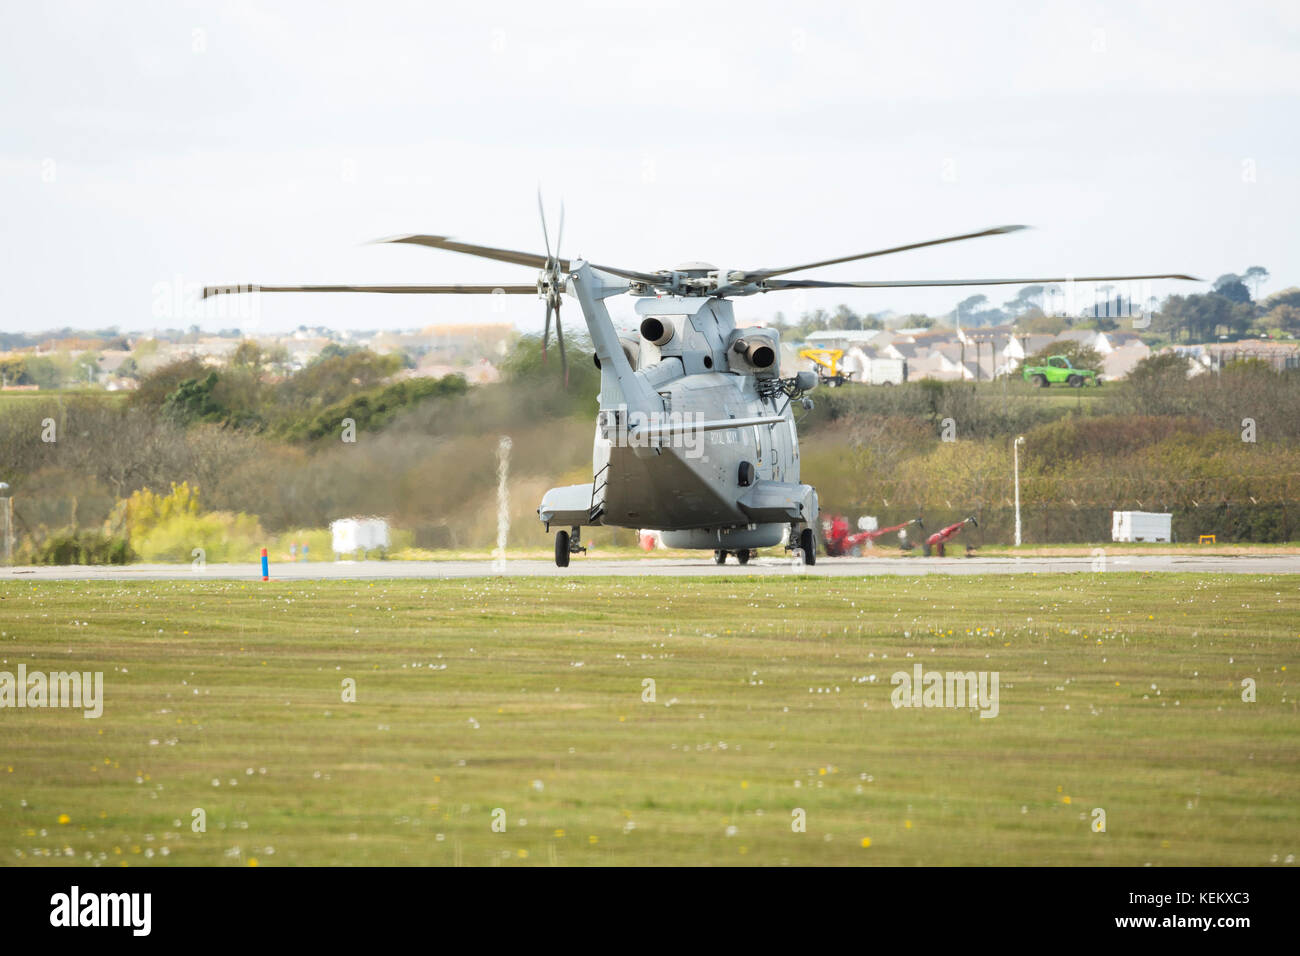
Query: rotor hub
point(550, 283)
point(696, 269)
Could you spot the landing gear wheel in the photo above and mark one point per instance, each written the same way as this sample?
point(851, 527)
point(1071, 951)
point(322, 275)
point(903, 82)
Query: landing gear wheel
point(719, 557)
point(561, 549)
point(742, 556)
point(808, 545)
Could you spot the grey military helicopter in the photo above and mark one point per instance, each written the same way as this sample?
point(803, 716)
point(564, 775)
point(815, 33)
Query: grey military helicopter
point(696, 434)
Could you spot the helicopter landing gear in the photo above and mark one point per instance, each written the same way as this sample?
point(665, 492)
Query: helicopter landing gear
point(567, 543)
point(803, 543)
point(742, 556)
point(808, 545)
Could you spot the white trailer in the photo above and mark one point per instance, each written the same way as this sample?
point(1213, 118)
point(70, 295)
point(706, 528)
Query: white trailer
point(1141, 526)
point(885, 371)
point(359, 534)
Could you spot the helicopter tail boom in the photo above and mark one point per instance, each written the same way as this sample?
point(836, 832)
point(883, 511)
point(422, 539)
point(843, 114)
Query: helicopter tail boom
point(586, 286)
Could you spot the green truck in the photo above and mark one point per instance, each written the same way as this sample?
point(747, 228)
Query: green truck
point(1057, 371)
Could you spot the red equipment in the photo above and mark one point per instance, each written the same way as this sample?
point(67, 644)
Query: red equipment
point(939, 538)
point(839, 542)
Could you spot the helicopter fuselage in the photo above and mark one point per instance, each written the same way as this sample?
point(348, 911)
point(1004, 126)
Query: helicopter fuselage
point(696, 435)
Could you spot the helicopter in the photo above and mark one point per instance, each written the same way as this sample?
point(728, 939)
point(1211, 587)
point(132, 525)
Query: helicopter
point(695, 434)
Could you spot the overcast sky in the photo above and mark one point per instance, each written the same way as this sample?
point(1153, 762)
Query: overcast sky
point(151, 145)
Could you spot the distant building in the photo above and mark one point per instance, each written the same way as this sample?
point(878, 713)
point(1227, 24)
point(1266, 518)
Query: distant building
point(110, 360)
point(980, 354)
point(1108, 342)
point(841, 338)
point(481, 372)
point(1280, 355)
point(1118, 362)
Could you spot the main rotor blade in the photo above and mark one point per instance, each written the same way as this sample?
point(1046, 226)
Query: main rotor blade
point(559, 236)
point(559, 337)
point(211, 290)
point(509, 255)
point(759, 274)
point(546, 331)
point(777, 285)
point(546, 233)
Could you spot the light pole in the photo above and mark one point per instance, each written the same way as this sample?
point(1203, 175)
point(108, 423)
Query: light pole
point(7, 510)
point(1015, 453)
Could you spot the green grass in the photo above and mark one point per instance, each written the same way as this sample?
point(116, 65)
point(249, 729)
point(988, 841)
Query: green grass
point(55, 394)
point(1119, 691)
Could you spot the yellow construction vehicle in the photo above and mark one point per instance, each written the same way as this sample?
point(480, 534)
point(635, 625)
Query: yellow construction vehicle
point(828, 365)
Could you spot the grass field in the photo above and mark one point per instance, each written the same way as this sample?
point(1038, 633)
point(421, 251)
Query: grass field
point(1120, 692)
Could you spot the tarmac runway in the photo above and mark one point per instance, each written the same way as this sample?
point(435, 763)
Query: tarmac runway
point(676, 567)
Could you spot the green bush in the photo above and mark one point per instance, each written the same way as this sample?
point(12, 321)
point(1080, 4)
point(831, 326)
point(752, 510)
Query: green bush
point(372, 410)
point(75, 546)
point(223, 536)
point(170, 527)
